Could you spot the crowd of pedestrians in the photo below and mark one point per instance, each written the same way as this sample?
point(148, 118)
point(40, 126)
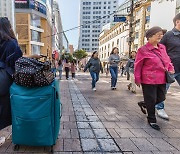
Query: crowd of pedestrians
point(147, 69)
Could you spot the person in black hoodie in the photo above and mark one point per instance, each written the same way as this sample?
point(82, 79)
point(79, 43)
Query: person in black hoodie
point(171, 40)
point(9, 53)
point(94, 66)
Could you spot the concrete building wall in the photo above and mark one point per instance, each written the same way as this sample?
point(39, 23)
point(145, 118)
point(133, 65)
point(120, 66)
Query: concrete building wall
point(91, 10)
point(7, 10)
point(166, 12)
point(57, 43)
point(114, 37)
point(23, 32)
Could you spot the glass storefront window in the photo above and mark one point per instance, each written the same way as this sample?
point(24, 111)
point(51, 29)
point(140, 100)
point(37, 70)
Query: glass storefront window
point(35, 36)
point(35, 21)
point(36, 49)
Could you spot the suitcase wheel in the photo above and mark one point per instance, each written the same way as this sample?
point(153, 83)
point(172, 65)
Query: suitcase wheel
point(52, 149)
point(16, 147)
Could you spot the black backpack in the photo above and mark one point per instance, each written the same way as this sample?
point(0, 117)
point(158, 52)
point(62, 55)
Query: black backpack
point(31, 72)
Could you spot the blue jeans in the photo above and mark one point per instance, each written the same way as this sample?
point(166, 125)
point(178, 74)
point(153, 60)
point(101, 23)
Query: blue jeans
point(95, 78)
point(114, 75)
point(160, 105)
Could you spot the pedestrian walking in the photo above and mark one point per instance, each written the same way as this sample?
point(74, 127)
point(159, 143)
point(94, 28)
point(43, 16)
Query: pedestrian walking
point(171, 40)
point(122, 69)
point(67, 68)
point(94, 66)
point(114, 61)
point(107, 69)
point(9, 53)
point(73, 69)
point(150, 65)
point(60, 68)
point(130, 68)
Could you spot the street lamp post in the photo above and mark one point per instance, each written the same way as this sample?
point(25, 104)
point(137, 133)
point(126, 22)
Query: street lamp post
point(131, 26)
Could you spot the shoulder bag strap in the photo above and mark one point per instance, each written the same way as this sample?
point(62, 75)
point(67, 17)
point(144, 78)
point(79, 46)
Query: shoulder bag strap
point(158, 57)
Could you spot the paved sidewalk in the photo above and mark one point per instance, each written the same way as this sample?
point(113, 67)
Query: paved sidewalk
point(108, 121)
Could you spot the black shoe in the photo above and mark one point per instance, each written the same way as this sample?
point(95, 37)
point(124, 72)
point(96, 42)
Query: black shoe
point(154, 126)
point(129, 86)
point(142, 106)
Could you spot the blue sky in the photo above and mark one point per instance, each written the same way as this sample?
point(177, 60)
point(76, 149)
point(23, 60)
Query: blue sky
point(69, 13)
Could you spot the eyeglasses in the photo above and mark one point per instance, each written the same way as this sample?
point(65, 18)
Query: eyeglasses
point(159, 34)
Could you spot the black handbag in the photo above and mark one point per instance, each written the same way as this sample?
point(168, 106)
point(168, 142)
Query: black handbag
point(31, 72)
point(169, 76)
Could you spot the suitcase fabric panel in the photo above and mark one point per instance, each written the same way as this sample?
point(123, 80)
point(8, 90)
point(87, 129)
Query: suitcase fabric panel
point(35, 114)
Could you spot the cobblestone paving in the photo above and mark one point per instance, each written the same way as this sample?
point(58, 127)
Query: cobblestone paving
point(106, 121)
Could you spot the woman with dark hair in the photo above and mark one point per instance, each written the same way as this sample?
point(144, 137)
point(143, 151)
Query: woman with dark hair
point(94, 66)
point(114, 61)
point(73, 69)
point(150, 65)
point(67, 67)
point(9, 53)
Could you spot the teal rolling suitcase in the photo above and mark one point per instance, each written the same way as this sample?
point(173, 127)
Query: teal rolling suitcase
point(36, 114)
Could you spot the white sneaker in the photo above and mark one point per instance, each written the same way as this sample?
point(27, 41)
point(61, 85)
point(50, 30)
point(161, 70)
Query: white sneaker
point(162, 114)
point(94, 89)
point(2, 140)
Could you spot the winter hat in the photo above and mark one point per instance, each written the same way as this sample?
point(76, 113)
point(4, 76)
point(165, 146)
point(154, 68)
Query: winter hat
point(152, 31)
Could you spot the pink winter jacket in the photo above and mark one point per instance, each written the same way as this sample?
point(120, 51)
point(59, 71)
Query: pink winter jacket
point(148, 67)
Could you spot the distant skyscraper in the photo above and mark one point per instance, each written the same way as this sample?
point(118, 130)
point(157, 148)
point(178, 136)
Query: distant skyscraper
point(92, 10)
point(7, 10)
point(57, 43)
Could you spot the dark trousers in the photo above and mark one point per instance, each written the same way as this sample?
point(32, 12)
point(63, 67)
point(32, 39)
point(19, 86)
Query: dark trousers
point(73, 75)
point(153, 94)
point(5, 106)
point(5, 111)
point(67, 72)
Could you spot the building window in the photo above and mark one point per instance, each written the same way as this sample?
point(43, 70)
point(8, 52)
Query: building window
point(149, 8)
point(118, 42)
point(35, 36)
point(137, 35)
point(113, 45)
point(35, 49)
point(147, 19)
point(35, 21)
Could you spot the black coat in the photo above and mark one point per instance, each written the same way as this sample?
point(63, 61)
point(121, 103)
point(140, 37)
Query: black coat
point(9, 53)
point(172, 42)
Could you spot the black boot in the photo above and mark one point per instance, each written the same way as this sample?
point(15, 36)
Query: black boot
point(142, 105)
